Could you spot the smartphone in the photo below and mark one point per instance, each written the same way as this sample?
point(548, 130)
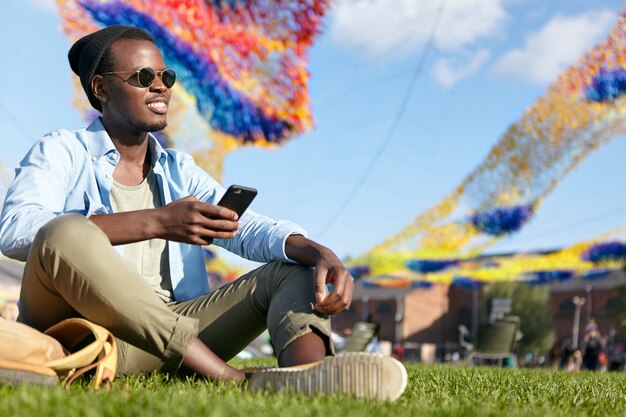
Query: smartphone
point(238, 198)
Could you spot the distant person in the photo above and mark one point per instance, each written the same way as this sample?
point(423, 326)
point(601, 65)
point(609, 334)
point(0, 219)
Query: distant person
point(554, 356)
point(616, 356)
point(591, 325)
point(567, 354)
point(111, 225)
point(398, 352)
point(593, 348)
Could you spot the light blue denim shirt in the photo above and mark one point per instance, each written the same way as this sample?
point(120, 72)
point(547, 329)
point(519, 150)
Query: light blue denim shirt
point(72, 172)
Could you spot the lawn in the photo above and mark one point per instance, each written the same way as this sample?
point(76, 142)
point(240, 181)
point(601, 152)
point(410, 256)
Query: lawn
point(432, 391)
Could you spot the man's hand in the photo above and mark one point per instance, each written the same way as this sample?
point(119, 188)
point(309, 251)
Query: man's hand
point(191, 221)
point(328, 270)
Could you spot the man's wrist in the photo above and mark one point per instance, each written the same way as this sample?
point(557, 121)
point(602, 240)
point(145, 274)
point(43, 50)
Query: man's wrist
point(155, 223)
point(304, 250)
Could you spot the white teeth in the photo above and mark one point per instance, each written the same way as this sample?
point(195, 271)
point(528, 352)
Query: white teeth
point(157, 105)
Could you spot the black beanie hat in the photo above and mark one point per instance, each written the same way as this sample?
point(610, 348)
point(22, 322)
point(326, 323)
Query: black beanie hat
point(86, 53)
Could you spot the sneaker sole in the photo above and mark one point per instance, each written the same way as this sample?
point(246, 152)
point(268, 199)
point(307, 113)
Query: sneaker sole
point(362, 375)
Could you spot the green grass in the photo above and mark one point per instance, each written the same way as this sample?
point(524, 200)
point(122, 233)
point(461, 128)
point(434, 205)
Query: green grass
point(432, 391)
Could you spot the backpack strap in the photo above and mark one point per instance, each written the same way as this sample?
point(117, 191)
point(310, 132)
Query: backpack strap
point(100, 352)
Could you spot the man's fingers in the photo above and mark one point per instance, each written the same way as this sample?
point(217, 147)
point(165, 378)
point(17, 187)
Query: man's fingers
point(339, 284)
point(220, 225)
point(320, 284)
point(215, 211)
point(347, 296)
point(340, 298)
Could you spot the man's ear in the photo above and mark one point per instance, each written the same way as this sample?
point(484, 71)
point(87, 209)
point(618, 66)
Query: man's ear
point(99, 88)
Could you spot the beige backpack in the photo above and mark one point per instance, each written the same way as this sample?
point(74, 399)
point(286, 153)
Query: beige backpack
point(63, 352)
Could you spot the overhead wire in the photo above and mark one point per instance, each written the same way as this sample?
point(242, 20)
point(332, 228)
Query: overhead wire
point(395, 123)
point(5, 177)
point(16, 122)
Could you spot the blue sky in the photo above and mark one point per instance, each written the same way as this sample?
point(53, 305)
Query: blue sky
point(350, 181)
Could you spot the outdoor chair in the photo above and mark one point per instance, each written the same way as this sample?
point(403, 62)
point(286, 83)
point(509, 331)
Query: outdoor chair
point(464, 336)
point(362, 334)
point(496, 341)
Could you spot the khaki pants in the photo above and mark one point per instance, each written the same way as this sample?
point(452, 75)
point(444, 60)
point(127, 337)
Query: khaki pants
point(73, 271)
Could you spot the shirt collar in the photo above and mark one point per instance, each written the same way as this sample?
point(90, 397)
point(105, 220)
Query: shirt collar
point(100, 143)
point(98, 139)
point(157, 153)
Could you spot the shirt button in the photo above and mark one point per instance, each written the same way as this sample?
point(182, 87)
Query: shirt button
point(108, 176)
point(114, 156)
point(94, 159)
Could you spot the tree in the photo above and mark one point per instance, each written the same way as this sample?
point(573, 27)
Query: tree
point(532, 305)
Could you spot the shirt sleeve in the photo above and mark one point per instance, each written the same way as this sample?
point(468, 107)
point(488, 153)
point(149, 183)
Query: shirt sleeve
point(36, 194)
point(260, 239)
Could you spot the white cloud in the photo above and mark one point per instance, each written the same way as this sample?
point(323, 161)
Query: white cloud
point(449, 71)
point(46, 5)
point(557, 45)
point(382, 27)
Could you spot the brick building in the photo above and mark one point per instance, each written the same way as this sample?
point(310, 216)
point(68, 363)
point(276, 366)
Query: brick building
point(603, 302)
point(413, 317)
point(432, 316)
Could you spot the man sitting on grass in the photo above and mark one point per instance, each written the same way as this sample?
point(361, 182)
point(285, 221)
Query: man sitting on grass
point(110, 225)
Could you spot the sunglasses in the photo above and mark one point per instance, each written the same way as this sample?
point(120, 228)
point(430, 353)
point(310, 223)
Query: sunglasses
point(146, 75)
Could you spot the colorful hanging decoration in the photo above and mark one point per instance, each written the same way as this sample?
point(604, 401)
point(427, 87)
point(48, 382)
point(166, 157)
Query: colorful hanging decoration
point(208, 254)
point(396, 283)
point(500, 221)
point(241, 66)
point(579, 261)
point(466, 283)
point(598, 274)
point(607, 85)
point(542, 277)
point(219, 272)
point(606, 251)
point(582, 110)
point(430, 265)
point(359, 271)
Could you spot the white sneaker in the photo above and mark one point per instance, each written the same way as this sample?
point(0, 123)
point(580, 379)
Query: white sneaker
point(363, 375)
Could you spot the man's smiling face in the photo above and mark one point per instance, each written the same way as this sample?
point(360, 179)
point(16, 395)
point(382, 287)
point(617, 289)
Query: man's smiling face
point(142, 109)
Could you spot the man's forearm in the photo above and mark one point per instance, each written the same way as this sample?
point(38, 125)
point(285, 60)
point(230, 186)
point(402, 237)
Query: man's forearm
point(303, 250)
point(129, 227)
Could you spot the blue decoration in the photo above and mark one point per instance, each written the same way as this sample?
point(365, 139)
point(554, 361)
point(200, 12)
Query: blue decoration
point(502, 220)
point(425, 266)
point(597, 274)
point(359, 271)
point(608, 251)
point(208, 254)
point(554, 275)
point(421, 284)
point(396, 283)
point(466, 283)
point(548, 276)
point(607, 85)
